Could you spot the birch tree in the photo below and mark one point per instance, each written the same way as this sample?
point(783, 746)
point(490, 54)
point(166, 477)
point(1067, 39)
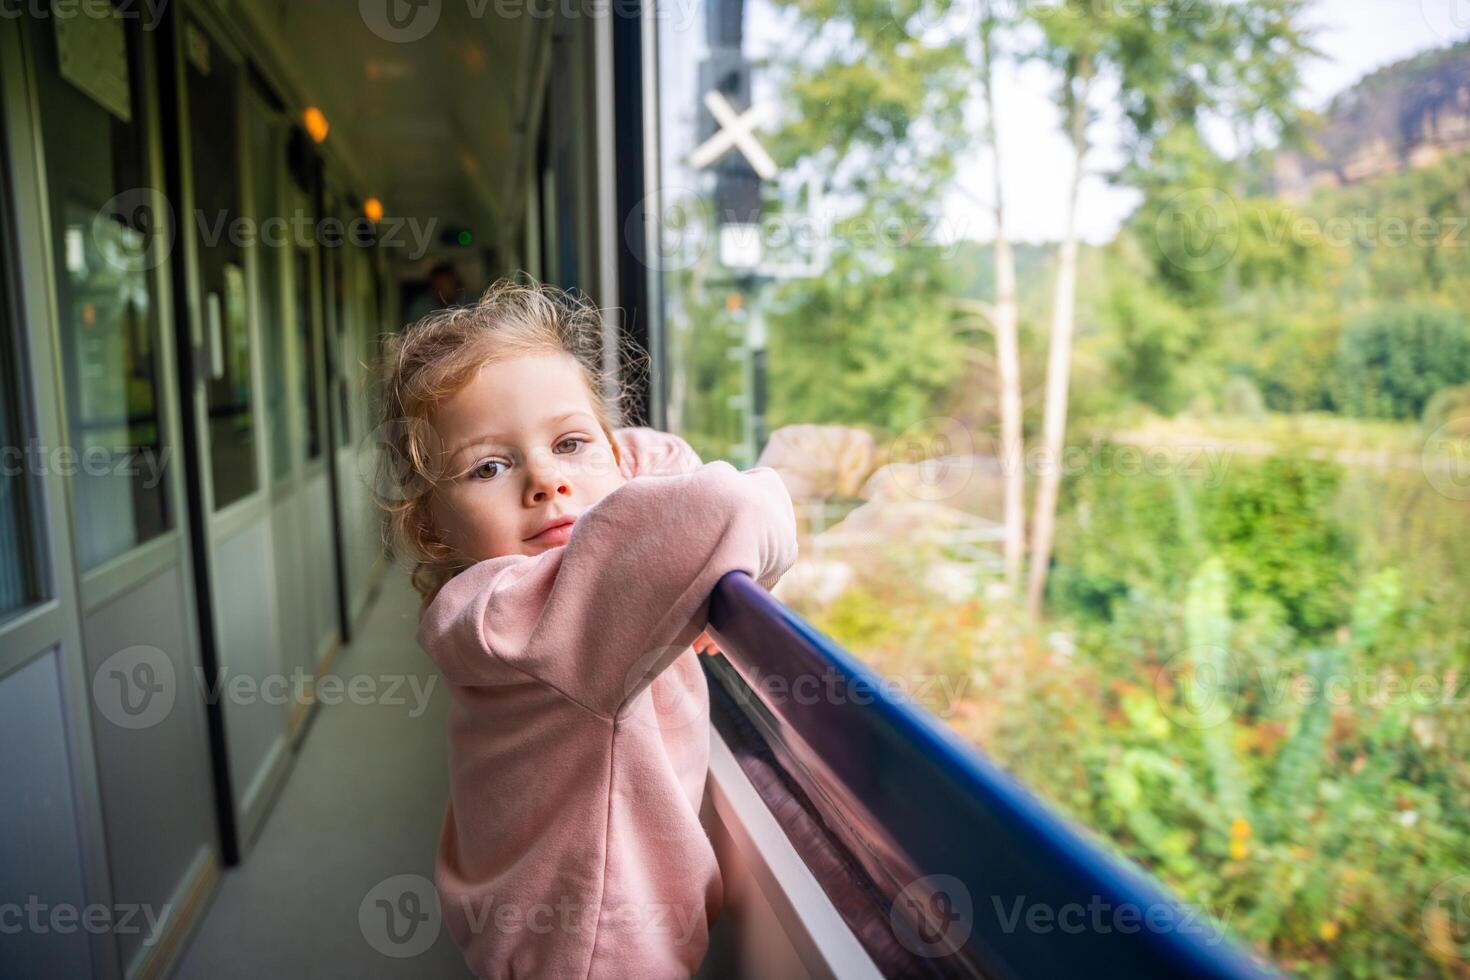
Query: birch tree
point(1004, 316)
point(1174, 63)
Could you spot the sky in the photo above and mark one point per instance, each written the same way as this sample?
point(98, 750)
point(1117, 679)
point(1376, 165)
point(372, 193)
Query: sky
point(1353, 36)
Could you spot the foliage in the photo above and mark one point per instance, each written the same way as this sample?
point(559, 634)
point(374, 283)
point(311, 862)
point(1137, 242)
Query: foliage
point(1268, 284)
point(1150, 341)
point(703, 357)
point(1293, 359)
point(1449, 409)
point(1270, 524)
point(1392, 361)
point(1319, 809)
point(859, 346)
point(1292, 346)
point(1241, 397)
point(879, 116)
point(1244, 58)
point(1273, 527)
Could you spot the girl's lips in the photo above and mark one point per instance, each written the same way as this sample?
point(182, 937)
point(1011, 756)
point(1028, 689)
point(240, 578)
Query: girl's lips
point(554, 536)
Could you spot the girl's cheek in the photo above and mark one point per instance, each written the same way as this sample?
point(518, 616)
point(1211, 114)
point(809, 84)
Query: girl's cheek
point(471, 500)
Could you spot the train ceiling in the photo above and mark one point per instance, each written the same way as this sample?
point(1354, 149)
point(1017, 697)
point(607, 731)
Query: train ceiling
point(427, 121)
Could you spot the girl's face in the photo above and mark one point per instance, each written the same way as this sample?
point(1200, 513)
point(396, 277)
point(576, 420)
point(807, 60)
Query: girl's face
point(521, 450)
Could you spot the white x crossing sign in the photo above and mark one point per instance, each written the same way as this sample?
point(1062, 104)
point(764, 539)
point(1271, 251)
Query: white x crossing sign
point(736, 130)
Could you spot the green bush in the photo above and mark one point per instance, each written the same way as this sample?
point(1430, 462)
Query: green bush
point(1314, 818)
point(1271, 523)
point(1150, 341)
point(1391, 361)
point(1273, 526)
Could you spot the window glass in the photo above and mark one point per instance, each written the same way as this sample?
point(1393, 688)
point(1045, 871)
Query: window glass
point(272, 250)
point(310, 379)
point(341, 349)
point(18, 573)
point(109, 233)
point(372, 330)
point(214, 144)
point(1142, 461)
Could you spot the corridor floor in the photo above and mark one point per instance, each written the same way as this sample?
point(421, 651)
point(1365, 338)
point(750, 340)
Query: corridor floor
point(320, 895)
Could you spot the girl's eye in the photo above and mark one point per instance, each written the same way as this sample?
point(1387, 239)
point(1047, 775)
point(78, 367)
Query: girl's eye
point(480, 469)
point(483, 470)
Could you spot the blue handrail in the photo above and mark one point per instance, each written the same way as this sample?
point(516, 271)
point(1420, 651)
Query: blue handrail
point(982, 876)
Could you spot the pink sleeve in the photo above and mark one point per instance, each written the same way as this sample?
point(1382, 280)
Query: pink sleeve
point(650, 452)
point(599, 618)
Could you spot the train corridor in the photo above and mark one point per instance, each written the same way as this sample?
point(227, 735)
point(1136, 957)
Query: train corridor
point(361, 808)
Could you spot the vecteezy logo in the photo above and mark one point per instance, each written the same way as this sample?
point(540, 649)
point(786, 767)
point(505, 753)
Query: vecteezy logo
point(385, 459)
point(1446, 459)
point(933, 916)
point(135, 687)
point(134, 232)
point(400, 21)
point(1198, 687)
point(1446, 918)
point(934, 457)
point(399, 916)
point(1447, 18)
point(663, 694)
point(1198, 230)
point(946, 18)
point(669, 232)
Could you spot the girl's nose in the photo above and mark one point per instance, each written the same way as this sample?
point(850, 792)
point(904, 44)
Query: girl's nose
point(547, 481)
point(558, 487)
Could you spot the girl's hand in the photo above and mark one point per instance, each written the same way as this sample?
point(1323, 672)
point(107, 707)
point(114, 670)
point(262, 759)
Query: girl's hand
point(703, 644)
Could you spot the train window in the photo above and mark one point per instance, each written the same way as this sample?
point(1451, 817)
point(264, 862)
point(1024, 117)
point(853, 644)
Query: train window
point(337, 271)
point(309, 379)
point(1152, 487)
point(18, 573)
point(214, 146)
point(372, 329)
point(106, 230)
point(268, 149)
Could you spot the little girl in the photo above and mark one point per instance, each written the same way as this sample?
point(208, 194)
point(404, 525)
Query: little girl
point(565, 566)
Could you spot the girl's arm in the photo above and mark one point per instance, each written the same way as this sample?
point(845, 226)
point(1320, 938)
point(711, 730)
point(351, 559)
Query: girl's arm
point(652, 452)
point(599, 618)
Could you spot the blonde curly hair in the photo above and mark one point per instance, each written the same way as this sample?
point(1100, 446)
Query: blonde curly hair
point(432, 359)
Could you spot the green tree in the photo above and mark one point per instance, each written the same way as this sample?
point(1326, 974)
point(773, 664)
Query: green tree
point(1243, 67)
point(1273, 527)
point(862, 345)
point(876, 111)
point(1392, 361)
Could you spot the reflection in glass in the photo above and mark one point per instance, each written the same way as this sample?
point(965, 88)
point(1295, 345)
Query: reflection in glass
point(108, 231)
point(17, 571)
point(271, 251)
point(310, 370)
point(113, 411)
point(372, 326)
point(214, 147)
point(337, 273)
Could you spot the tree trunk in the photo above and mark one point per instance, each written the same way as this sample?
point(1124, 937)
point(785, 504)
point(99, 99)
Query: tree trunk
point(1008, 362)
point(1059, 354)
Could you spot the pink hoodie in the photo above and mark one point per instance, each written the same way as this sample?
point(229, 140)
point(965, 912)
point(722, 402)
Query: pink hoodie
point(579, 727)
